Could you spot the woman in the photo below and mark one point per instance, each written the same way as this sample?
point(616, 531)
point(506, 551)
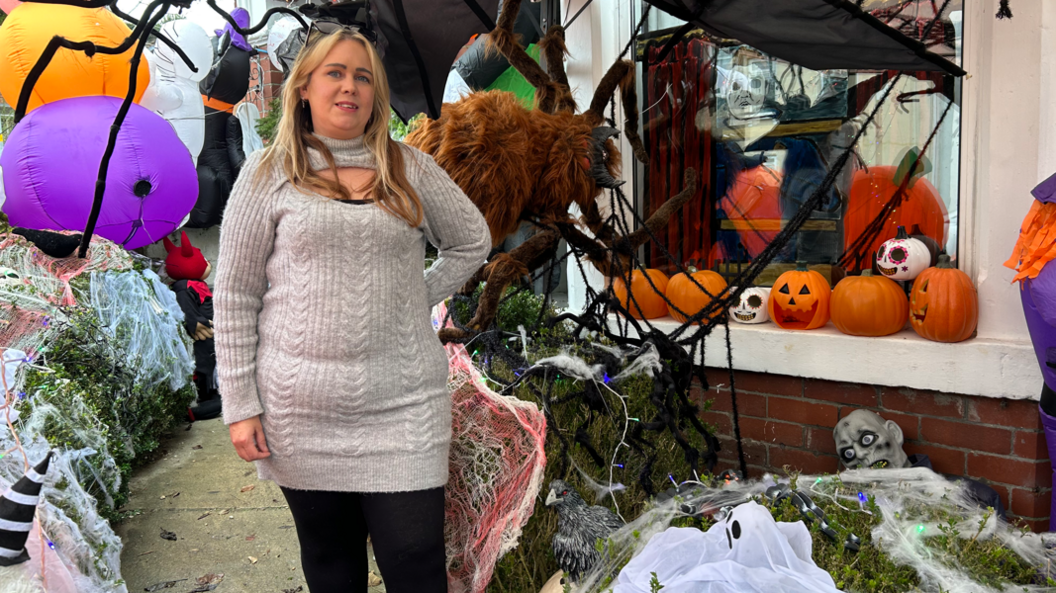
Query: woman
point(332, 378)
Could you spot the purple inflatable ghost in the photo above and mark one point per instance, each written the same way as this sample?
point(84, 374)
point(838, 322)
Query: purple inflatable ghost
point(1039, 307)
point(51, 161)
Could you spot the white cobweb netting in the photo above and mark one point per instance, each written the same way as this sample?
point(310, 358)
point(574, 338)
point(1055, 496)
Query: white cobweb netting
point(907, 500)
point(73, 549)
point(497, 464)
point(140, 308)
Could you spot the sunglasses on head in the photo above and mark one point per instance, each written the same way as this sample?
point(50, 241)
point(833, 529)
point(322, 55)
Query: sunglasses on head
point(321, 28)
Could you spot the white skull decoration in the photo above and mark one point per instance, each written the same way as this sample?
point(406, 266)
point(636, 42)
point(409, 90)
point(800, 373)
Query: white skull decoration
point(903, 258)
point(752, 306)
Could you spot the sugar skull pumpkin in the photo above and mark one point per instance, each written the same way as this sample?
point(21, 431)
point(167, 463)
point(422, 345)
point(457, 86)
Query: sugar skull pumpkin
point(903, 258)
point(688, 298)
point(943, 305)
point(800, 299)
point(647, 302)
point(752, 306)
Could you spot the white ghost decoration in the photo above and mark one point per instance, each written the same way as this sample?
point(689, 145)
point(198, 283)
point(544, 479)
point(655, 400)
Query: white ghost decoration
point(279, 33)
point(751, 308)
point(173, 90)
point(747, 552)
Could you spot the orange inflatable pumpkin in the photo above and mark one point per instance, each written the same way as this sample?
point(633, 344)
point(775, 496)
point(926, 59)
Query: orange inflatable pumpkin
point(647, 304)
point(872, 189)
point(685, 295)
point(944, 306)
point(27, 31)
point(800, 299)
point(868, 305)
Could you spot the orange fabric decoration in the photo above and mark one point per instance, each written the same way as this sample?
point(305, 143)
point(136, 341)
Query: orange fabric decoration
point(1037, 241)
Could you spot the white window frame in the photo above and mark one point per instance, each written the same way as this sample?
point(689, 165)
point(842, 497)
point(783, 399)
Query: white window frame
point(1008, 145)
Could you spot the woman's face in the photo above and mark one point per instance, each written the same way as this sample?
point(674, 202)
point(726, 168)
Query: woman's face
point(340, 92)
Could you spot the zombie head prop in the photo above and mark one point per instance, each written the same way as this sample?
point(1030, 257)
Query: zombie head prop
point(864, 439)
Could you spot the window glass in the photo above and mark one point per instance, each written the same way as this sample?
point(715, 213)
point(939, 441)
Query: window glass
point(762, 132)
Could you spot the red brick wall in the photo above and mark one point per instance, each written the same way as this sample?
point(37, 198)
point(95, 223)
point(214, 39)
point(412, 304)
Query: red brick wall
point(265, 82)
point(788, 421)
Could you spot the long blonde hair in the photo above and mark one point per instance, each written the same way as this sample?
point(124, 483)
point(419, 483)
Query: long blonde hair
point(390, 187)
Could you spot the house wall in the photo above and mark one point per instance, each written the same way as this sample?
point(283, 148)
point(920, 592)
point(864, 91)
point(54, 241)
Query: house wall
point(787, 422)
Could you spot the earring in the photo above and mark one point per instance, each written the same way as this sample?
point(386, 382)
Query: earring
point(304, 103)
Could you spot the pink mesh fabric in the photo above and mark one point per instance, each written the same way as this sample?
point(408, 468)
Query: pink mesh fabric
point(497, 464)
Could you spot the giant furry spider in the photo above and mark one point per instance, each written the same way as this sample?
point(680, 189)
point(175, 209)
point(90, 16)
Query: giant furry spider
point(517, 164)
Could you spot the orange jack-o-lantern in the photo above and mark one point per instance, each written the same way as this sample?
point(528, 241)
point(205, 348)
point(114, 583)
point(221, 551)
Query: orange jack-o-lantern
point(800, 299)
point(943, 306)
point(647, 303)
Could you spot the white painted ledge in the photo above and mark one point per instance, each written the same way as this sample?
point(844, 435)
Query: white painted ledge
point(978, 366)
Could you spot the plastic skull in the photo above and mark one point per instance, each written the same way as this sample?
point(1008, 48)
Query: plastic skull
point(864, 439)
point(752, 306)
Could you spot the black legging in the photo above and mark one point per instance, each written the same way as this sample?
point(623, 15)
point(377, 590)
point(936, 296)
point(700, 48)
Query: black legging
point(406, 529)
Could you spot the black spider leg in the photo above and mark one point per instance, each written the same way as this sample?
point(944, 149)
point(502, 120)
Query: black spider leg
point(139, 37)
point(172, 45)
point(263, 20)
point(113, 8)
point(89, 50)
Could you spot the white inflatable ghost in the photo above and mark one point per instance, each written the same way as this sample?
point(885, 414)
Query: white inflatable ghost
point(173, 90)
point(747, 552)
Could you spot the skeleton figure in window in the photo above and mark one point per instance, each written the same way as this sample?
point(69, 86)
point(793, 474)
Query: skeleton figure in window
point(747, 89)
point(864, 439)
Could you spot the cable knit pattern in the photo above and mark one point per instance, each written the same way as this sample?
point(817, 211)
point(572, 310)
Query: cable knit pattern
point(323, 329)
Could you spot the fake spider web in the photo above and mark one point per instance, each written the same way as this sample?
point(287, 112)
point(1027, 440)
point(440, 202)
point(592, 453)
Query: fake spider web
point(496, 465)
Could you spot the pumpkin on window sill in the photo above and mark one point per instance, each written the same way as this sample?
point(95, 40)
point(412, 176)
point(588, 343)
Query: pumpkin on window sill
point(868, 305)
point(647, 303)
point(689, 298)
point(943, 304)
point(800, 299)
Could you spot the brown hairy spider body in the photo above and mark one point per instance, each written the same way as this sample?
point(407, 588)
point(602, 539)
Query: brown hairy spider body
point(517, 164)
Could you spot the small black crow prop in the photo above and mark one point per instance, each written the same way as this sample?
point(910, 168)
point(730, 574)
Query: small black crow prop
point(56, 245)
point(579, 528)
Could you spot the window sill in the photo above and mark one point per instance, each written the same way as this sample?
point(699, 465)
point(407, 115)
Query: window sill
point(978, 366)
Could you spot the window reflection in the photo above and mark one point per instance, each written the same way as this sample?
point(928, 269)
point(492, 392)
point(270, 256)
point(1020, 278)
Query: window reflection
point(763, 133)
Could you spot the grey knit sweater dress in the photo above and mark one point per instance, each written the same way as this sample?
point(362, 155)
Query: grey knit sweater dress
point(322, 317)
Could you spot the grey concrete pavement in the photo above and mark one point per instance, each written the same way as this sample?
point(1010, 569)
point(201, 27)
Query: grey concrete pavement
point(224, 521)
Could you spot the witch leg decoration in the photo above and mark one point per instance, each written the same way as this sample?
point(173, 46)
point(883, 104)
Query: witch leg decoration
point(17, 507)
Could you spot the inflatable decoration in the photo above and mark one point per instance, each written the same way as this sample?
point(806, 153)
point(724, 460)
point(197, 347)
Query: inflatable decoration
point(173, 91)
point(221, 156)
point(285, 39)
point(8, 5)
point(151, 183)
point(27, 32)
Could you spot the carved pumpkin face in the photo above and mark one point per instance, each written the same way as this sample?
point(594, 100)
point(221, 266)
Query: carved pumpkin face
point(944, 306)
point(903, 258)
point(800, 299)
point(752, 306)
